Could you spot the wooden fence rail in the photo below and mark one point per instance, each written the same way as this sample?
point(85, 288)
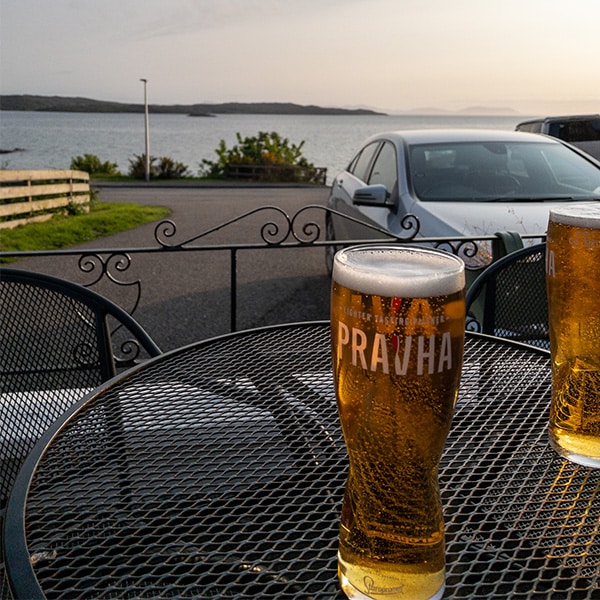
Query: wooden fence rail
point(28, 196)
point(274, 173)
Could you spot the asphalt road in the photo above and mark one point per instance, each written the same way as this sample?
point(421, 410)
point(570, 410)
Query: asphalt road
point(185, 295)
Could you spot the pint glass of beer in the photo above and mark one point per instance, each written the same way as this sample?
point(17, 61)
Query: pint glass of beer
point(573, 284)
point(397, 325)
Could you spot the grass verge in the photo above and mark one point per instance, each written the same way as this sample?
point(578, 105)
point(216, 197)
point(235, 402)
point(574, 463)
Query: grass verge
point(64, 231)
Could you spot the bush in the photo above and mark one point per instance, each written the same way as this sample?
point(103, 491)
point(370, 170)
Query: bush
point(167, 168)
point(268, 149)
point(91, 164)
point(171, 169)
point(137, 166)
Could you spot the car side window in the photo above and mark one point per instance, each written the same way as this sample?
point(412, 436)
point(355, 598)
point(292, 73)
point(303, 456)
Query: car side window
point(385, 168)
point(582, 130)
point(360, 164)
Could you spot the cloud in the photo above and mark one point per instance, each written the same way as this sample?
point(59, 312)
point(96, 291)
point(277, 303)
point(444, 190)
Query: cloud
point(147, 19)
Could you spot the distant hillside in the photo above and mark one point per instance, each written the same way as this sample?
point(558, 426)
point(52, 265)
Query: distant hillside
point(471, 110)
point(65, 104)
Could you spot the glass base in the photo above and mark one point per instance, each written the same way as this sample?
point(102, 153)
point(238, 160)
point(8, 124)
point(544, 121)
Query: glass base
point(572, 456)
point(354, 594)
point(583, 450)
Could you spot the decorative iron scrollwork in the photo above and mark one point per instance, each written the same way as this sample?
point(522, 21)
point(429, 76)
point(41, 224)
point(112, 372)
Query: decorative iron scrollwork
point(468, 250)
point(301, 228)
point(102, 266)
point(472, 324)
point(309, 226)
point(163, 231)
point(411, 224)
point(129, 352)
point(109, 267)
point(307, 232)
point(85, 354)
point(272, 233)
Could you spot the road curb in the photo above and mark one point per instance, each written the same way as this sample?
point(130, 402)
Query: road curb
point(202, 185)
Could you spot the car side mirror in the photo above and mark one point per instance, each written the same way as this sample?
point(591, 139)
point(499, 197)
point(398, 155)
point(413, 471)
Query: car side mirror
point(371, 195)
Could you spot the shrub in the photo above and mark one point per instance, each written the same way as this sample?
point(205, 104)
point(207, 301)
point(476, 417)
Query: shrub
point(268, 149)
point(167, 168)
point(137, 166)
point(171, 169)
point(91, 164)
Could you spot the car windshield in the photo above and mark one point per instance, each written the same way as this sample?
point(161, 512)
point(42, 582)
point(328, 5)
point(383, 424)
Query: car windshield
point(498, 171)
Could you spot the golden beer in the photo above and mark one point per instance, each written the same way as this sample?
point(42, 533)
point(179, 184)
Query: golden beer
point(397, 325)
point(573, 284)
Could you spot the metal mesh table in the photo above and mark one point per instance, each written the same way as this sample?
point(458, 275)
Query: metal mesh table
point(217, 471)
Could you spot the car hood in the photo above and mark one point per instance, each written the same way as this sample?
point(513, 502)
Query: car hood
point(470, 219)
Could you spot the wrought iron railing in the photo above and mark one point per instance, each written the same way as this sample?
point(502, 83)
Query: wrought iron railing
point(277, 231)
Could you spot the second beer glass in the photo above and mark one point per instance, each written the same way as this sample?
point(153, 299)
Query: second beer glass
point(398, 321)
point(573, 283)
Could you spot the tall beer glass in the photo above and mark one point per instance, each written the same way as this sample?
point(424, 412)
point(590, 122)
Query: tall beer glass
point(398, 321)
point(573, 284)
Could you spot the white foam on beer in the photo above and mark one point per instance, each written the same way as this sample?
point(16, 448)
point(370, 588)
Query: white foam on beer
point(578, 215)
point(395, 271)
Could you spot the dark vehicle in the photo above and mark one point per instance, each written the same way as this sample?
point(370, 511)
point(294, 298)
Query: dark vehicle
point(582, 131)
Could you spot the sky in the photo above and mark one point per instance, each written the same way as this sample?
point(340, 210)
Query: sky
point(530, 56)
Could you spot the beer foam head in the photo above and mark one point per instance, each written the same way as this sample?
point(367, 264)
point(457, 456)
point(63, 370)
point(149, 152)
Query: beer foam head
point(397, 271)
point(578, 215)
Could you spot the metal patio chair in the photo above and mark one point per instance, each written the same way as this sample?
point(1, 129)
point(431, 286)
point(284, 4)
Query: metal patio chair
point(58, 341)
point(508, 299)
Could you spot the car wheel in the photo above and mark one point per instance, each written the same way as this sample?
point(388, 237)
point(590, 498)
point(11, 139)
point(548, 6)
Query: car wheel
point(330, 250)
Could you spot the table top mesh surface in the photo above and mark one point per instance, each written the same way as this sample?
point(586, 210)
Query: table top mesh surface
point(218, 472)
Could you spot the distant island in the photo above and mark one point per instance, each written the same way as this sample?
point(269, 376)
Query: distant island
point(26, 102)
point(468, 111)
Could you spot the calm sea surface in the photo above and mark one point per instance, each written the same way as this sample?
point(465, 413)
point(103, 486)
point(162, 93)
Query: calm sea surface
point(50, 140)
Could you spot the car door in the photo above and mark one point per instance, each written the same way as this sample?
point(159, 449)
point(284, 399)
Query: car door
point(375, 164)
point(345, 185)
point(383, 172)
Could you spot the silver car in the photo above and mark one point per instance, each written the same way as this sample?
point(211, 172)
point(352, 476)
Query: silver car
point(457, 183)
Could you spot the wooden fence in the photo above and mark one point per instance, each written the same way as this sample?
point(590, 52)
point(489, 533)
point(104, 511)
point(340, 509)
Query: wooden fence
point(28, 196)
point(275, 173)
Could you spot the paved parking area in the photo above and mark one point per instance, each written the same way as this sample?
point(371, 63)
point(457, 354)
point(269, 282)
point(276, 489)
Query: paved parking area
point(185, 295)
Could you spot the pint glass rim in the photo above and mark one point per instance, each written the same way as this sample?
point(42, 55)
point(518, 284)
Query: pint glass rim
point(414, 249)
point(586, 215)
point(453, 273)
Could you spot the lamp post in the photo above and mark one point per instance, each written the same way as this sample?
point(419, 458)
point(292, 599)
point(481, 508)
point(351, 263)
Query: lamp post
point(147, 165)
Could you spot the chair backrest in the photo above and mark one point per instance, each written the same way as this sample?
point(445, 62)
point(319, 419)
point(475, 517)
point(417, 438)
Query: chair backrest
point(508, 299)
point(58, 340)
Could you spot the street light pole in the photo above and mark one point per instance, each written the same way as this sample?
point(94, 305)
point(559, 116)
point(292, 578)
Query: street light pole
point(147, 165)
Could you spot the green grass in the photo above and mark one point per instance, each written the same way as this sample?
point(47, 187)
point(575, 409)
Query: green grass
point(64, 231)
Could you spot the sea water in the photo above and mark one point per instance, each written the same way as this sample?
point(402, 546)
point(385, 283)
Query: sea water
point(49, 140)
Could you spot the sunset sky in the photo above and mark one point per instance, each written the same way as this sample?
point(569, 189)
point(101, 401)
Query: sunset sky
point(532, 56)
